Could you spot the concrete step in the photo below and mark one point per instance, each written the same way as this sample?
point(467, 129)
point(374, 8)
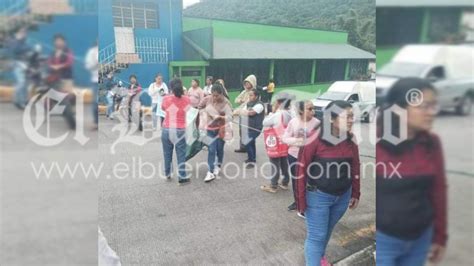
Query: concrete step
point(7, 92)
point(102, 109)
point(364, 257)
point(127, 59)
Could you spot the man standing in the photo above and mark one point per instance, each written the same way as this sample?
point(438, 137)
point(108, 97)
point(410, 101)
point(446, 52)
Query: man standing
point(92, 64)
point(61, 62)
point(207, 88)
point(18, 49)
point(249, 83)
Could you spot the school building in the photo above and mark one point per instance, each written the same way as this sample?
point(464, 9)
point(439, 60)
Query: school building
point(145, 37)
point(401, 22)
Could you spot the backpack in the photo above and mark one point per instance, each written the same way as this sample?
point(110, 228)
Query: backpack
point(273, 143)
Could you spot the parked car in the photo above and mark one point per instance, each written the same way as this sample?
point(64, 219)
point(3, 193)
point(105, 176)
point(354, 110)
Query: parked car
point(448, 67)
point(361, 94)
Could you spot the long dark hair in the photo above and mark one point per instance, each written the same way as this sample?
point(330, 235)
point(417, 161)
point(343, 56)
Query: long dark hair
point(300, 107)
point(224, 90)
point(397, 95)
point(177, 87)
point(217, 87)
point(330, 115)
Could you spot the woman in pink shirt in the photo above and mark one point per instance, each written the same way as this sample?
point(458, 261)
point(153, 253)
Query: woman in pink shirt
point(173, 136)
point(195, 93)
point(295, 136)
point(216, 116)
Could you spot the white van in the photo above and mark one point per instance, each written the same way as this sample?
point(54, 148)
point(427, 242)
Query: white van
point(448, 67)
point(361, 94)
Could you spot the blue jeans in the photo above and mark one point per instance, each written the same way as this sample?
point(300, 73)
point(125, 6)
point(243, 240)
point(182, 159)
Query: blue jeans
point(21, 88)
point(110, 104)
point(392, 251)
point(250, 146)
point(172, 138)
point(216, 149)
point(322, 213)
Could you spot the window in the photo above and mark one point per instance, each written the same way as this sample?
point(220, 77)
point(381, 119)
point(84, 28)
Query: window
point(328, 70)
point(191, 73)
point(436, 73)
point(292, 72)
point(132, 14)
point(354, 98)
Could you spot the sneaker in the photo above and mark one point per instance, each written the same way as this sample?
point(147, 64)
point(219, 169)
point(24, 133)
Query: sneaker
point(168, 178)
point(250, 165)
point(292, 206)
point(284, 187)
point(217, 170)
point(301, 215)
point(183, 182)
point(240, 150)
point(324, 262)
point(268, 189)
point(209, 177)
point(19, 106)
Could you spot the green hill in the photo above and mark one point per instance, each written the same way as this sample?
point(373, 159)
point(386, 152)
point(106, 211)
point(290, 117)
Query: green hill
point(357, 17)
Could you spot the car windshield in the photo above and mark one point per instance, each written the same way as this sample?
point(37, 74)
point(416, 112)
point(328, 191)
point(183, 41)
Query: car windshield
point(397, 69)
point(333, 95)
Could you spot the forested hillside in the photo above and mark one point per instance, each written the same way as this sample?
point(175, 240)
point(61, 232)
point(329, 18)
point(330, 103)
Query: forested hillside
point(357, 17)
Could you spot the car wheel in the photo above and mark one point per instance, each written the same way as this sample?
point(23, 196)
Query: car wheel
point(465, 107)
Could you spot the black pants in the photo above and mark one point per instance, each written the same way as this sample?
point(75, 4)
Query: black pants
point(130, 104)
point(277, 164)
point(292, 161)
point(269, 97)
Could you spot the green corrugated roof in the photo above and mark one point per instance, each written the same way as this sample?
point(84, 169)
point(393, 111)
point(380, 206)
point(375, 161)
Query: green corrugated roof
point(424, 3)
point(251, 31)
point(250, 49)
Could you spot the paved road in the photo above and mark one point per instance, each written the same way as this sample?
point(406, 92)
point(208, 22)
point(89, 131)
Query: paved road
point(227, 221)
point(457, 134)
point(45, 222)
point(151, 220)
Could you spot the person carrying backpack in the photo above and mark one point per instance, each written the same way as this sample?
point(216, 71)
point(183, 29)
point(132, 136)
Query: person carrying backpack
point(276, 123)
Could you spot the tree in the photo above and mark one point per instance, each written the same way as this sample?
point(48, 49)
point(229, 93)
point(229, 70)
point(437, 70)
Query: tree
point(356, 17)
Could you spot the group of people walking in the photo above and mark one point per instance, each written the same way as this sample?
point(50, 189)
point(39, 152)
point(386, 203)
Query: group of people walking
point(324, 174)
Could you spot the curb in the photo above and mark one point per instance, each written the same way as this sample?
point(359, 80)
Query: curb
point(364, 257)
point(6, 94)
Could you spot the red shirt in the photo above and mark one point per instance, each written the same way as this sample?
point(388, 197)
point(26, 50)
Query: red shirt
point(322, 151)
point(175, 111)
point(414, 196)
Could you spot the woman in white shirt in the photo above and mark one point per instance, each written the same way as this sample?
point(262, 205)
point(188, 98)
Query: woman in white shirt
point(157, 90)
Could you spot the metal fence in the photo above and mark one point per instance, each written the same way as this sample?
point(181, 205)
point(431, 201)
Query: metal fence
point(152, 50)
